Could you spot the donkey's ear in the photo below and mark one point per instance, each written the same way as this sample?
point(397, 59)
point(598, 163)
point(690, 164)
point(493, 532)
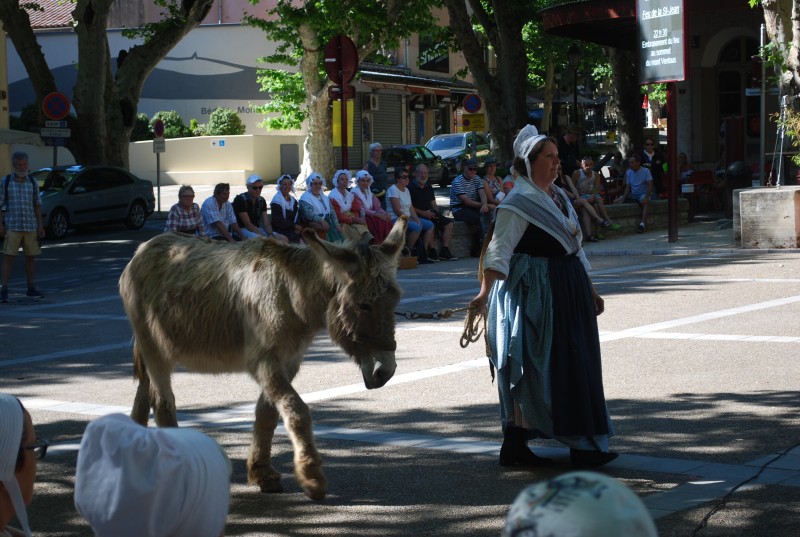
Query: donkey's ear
point(394, 243)
point(343, 258)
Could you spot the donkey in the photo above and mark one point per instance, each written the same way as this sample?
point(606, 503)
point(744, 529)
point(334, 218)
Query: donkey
point(255, 306)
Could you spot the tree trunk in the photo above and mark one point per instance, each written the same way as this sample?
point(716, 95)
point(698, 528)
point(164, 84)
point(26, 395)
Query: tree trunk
point(549, 81)
point(782, 21)
point(627, 99)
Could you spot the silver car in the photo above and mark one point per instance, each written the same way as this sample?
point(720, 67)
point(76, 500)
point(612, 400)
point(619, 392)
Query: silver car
point(77, 195)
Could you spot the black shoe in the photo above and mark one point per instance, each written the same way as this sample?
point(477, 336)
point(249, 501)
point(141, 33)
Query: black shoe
point(432, 255)
point(445, 254)
point(585, 459)
point(4, 295)
point(515, 450)
point(33, 293)
point(424, 261)
point(640, 229)
point(591, 239)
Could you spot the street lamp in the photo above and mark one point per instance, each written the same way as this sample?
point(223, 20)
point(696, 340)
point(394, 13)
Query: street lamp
point(574, 57)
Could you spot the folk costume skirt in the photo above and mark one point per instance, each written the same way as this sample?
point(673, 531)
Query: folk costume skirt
point(543, 339)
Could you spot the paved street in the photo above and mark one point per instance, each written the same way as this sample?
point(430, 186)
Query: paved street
point(700, 348)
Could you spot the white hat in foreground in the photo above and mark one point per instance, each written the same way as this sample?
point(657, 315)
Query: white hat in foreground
point(132, 481)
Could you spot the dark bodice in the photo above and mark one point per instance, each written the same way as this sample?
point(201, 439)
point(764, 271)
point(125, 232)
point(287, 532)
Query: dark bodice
point(537, 242)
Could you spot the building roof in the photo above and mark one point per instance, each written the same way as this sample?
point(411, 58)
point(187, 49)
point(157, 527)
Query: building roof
point(56, 14)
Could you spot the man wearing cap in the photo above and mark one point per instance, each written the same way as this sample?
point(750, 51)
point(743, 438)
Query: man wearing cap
point(423, 199)
point(468, 202)
point(251, 209)
point(568, 151)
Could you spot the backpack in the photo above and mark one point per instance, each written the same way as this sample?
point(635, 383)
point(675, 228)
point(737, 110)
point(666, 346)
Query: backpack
point(30, 178)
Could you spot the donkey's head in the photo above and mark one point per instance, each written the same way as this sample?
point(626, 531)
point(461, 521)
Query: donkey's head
point(361, 316)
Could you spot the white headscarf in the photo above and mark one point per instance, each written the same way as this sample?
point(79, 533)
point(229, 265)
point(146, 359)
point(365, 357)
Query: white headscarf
point(524, 143)
point(345, 202)
point(579, 504)
point(320, 204)
point(366, 198)
point(11, 431)
point(133, 481)
point(278, 198)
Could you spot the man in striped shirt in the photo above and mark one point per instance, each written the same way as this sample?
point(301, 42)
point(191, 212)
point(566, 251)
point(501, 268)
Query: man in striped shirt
point(468, 202)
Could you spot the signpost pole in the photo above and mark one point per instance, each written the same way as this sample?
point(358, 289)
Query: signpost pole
point(158, 180)
point(672, 164)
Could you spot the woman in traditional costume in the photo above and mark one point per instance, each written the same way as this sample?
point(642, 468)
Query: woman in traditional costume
point(354, 226)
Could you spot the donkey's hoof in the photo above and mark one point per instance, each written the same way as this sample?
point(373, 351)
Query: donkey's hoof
point(315, 489)
point(271, 485)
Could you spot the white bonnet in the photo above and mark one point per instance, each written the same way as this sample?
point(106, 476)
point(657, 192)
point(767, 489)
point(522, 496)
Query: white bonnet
point(364, 173)
point(281, 178)
point(340, 172)
point(11, 431)
point(311, 177)
point(132, 481)
point(524, 143)
point(579, 504)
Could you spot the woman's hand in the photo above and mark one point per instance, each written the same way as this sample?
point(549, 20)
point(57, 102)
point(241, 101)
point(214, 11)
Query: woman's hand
point(599, 303)
point(479, 302)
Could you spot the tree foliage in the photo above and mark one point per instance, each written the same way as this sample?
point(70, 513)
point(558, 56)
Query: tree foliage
point(295, 79)
point(174, 127)
point(105, 99)
point(224, 121)
point(142, 130)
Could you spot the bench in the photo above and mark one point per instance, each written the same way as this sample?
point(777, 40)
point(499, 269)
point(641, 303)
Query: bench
point(625, 214)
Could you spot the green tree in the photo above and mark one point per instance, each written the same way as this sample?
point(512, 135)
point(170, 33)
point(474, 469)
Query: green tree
point(174, 127)
point(105, 102)
point(300, 91)
point(224, 121)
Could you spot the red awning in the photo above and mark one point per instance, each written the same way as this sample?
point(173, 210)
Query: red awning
point(610, 23)
point(428, 91)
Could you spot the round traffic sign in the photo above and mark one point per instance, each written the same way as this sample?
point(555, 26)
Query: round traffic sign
point(55, 106)
point(158, 128)
point(472, 103)
point(341, 59)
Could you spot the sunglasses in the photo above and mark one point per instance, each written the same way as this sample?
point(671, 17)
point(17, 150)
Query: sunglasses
point(256, 187)
point(39, 448)
point(472, 169)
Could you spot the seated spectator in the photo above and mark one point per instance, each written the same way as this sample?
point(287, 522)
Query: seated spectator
point(316, 211)
point(219, 221)
point(508, 181)
point(184, 216)
point(132, 481)
point(250, 209)
point(285, 209)
point(378, 221)
point(652, 158)
point(354, 225)
point(398, 203)
point(587, 184)
point(638, 188)
point(468, 203)
point(579, 504)
point(423, 199)
point(19, 450)
point(492, 186)
point(684, 168)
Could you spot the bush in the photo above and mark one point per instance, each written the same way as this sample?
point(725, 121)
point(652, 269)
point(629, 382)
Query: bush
point(141, 128)
point(174, 127)
point(224, 121)
point(28, 119)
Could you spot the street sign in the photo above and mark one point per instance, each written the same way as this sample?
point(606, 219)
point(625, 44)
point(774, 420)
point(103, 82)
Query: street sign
point(159, 145)
point(335, 92)
point(55, 124)
point(341, 59)
point(54, 142)
point(472, 103)
point(158, 128)
point(55, 133)
point(661, 45)
point(55, 106)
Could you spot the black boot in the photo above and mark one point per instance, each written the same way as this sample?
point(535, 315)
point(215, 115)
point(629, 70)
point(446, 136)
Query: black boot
point(585, 459)
point(515, 451)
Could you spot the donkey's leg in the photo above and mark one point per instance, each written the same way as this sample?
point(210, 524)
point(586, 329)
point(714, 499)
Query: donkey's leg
point(297, 419)
point(259, 463)
point(162, 399)
point(140, 413)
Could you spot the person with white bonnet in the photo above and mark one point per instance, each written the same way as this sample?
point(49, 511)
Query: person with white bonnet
point(535, 274)
point(354, 225)
point(251, 211)
point(379, 222)
point(316, 211)
point(579, 504)
point(284, 208)
point(134, 481)
point(19, 450)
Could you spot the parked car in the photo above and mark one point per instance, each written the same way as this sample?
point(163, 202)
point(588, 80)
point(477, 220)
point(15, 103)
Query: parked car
point(455, 148)
point(399, 157)
point(77, 195)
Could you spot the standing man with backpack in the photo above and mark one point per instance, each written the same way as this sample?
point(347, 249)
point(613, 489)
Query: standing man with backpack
point(20, 222)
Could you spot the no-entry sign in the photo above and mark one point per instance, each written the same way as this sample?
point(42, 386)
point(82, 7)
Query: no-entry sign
point(55, 106)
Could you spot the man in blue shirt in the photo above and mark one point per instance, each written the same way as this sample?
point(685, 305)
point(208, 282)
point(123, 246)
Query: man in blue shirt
point(638, 187)
point(468, 202)
point(20, 222)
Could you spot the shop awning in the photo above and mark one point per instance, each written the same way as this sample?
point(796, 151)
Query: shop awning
point(609, 23)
